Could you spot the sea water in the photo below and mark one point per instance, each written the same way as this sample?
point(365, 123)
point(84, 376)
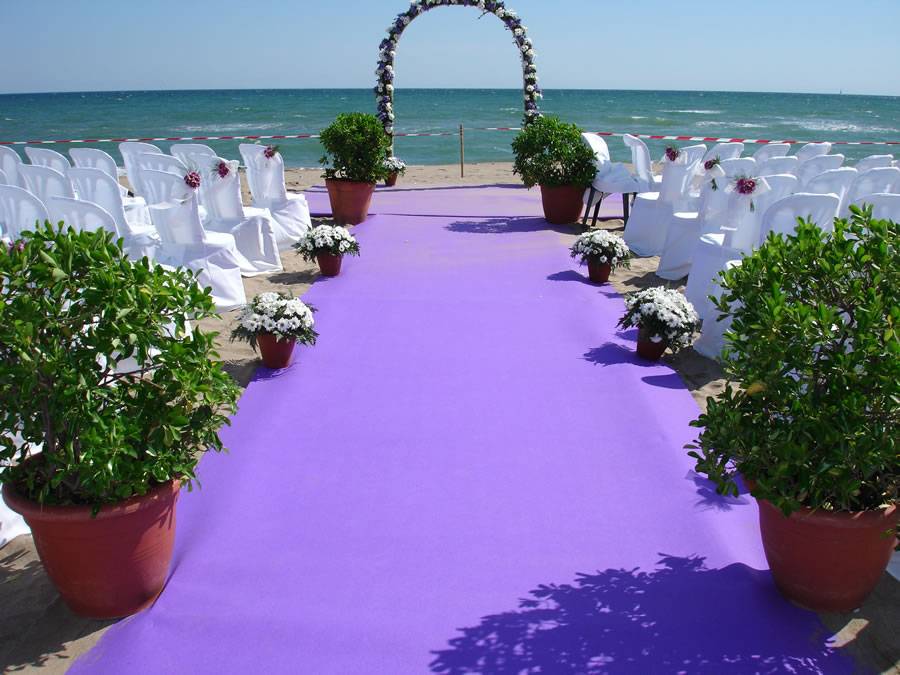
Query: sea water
point(808, 117)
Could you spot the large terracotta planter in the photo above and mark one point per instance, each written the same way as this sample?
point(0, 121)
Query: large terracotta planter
point(827, 562)
point(562, 205)
point(329, 264)
point(599, 272)
point(391, 180)
point(275, 353)
point(350, 200)
point(648, 349)
point(111, 565)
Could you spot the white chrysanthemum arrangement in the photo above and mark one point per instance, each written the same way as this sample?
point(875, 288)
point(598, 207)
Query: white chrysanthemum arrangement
point(395, 165)
point(328, 239)
point(662, 315)
point(279, 314)
point(600, 246)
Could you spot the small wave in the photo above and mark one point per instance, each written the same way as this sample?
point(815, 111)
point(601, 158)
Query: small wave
point(694, 112)
point(219, 128)
point(638, 117)
point(837, 125)
point(737, 125)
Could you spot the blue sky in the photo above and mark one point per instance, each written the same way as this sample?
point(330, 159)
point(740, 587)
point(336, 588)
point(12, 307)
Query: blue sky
point(762, 45)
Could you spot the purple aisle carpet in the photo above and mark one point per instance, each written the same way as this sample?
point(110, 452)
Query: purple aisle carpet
point(471, 472)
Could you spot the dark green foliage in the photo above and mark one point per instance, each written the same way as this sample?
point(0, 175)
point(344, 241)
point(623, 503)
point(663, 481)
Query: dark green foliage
point(70, 300)
point(356, 146)
point(550, 152)
point(814, 345)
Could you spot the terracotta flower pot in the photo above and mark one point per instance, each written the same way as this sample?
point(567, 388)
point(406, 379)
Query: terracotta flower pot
point(350, 200)
point(275, 353)
point(391, 180)
point(329, 264)
point(562, 205)
point(599, 272)
point(827, 562)
point(648, 349)
point(111, 565)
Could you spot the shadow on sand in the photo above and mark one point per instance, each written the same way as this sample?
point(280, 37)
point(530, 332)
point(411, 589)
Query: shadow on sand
point(520, 224)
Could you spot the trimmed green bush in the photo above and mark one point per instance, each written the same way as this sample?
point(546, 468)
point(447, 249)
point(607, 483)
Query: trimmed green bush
point(814, 346)
point(551, 153)
point(72, 307)
point(356, 146)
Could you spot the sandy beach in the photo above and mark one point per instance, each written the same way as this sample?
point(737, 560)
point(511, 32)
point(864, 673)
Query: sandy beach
point(39, 634)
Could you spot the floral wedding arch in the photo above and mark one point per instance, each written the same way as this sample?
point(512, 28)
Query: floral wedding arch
point(384, 90)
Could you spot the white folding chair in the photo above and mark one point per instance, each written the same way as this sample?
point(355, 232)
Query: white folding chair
point(20, 210)
point(98, 187)
point(885, 206)
point(130, 151)
point(610, 178)
point(813, 167)
point(267, 187)
point(9, 164)
point(92, 158)
point(873, 181)
point(711, 342)
point(779, 165)
point(48, 158)
point(723, 151)
point(44, 182)
point(811, 150)
point(187, 244)
point(195, 155)
point(3, 179)
point(81, 215)
point(646, 230)
point(253, 229)
point(835, 181)
point(770, 151)
point(874, 162)
point(736, 238)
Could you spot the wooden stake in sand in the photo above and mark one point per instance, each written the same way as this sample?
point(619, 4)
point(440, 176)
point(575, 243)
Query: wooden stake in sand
point(462, 152)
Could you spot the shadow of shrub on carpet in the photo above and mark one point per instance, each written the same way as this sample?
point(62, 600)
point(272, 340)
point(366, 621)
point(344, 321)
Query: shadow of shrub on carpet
point(682, 617)
point(508, 225)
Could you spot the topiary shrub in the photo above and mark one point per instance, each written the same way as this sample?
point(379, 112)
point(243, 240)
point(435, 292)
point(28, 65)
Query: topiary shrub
point(814, 346)
point(356, 146)
point(551, 153)
point(72, 308)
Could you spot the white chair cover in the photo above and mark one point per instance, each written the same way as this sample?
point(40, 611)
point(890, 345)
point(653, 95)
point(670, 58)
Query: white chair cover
point(3, 179)
point(738, 237)
point(92, 158)
point(254, 233)
point(44, 182)
point(779, 165)
point(771, 150)
point(610, 177)
point(813, 167)
point(781, 217)
point(835, 181)
point(724, 151)
point(811, 150)
point(20, 210)
point(885, 206)
point(194, 155)
point(266, 179)
point(12, 525)
point(711, 342)
point(646, 230)
point(9, 164)
point(133, 225)
point(48, 158)
point(130, 151)
point(873, 181)
point(186, 244)
point(874, 162)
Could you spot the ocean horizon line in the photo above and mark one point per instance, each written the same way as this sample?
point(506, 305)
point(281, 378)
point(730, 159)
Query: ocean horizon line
point(449, 89)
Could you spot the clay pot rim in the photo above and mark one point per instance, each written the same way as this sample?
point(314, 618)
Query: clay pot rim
point(32, 510)
point(347, 181)
point(272, 335)
point(847, 519)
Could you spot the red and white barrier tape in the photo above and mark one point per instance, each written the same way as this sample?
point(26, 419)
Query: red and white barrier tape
point(652, 137)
